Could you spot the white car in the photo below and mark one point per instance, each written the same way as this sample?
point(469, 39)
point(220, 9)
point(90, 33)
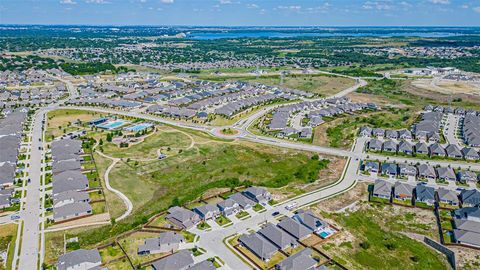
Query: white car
point(291, 206)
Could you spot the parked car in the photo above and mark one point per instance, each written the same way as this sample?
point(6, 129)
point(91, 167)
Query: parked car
point(14, 217)
point(276, 213)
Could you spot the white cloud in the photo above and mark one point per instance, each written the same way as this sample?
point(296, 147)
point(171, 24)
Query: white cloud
point(440, 2)
point(293, 8)
point(252, 6)
point(167, 1)
point(476, 9)
point(100, 2)
point(68, 2)
point(378, 5)
point(464, 6)
point(225, 2)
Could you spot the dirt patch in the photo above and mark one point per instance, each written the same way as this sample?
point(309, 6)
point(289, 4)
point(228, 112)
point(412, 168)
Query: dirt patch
point(83, 221)
point(467, 258)
point(358, 193)
point(443, 96)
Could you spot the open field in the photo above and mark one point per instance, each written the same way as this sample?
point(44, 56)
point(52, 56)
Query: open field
point(8, 234)
point(153, 185)
point(195, 164)
point(371, 238)
point(324, 85)
point(448, 87)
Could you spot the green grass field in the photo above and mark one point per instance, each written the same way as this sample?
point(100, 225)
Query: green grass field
point(379, 245)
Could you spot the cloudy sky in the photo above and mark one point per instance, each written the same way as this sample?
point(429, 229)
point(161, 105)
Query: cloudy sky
point(242, 12)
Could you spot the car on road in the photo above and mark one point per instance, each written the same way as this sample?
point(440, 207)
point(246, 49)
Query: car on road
point(276, 213)
point(14, 217)
point(291, 206)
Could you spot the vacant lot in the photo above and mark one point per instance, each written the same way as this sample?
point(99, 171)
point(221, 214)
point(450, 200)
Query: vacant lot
point(372, 240)
point(324, 85)
point(8, 234)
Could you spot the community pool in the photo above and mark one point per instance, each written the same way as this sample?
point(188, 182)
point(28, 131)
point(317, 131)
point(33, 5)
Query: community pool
point(139, 127)
point(113, 124)
point(326, 232)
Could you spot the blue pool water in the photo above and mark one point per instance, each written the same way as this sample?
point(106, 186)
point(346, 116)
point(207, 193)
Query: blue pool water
point(139, 127)
point(113, 124)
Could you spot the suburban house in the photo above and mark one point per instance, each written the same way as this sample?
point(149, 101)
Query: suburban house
point(447, 196)
point(375, 145)
point(181, 260)
point(425, 194)
point(470, 154)
point(203, 265)
point(378, 132)
point(405, 134)
point(310, 220)
point(71, 211)
point(71, 196)
point(182, 218)
point(427, 172)
point(206, 212)
point(382, 189)
point(405, 148)
point(294, 228)
point(470, 197)
point(391, 134)
point(372, 167)
point(299, 261)
point(278, 237)
point(421, 148)
point(166, 242)
point(258, 195)
point(446, 174)
point(258, 245)
point(244, 202)
point(468, 213)
point(365, 131)
point(390, 169)
point(403, 191)
point(405, 170)
point(453, 151)
point(390, 146)
point(467, 176)
point(79, 259)
point(436, 150)
point(470, 237)
point(228, 207)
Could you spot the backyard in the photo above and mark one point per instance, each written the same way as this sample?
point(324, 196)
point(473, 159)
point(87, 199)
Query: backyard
point(373, 238)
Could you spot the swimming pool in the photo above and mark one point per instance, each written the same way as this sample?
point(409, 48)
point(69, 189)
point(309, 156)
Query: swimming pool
point(326, 232)
point(139, 127)
point(113, 124)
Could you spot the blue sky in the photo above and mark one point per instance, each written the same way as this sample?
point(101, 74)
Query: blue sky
point(243, 12)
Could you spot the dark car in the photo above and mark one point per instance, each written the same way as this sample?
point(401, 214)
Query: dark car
point(276, 213)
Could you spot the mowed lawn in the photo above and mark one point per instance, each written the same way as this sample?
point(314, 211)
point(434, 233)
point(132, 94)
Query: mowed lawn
point(153, 185)
point(380, 246)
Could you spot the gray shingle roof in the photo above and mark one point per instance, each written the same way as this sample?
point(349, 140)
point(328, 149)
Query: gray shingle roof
point(277, 236)
point(258, 245)
point(296, 229)
point(74, 258)
point(299, 261)
point(177, 261)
